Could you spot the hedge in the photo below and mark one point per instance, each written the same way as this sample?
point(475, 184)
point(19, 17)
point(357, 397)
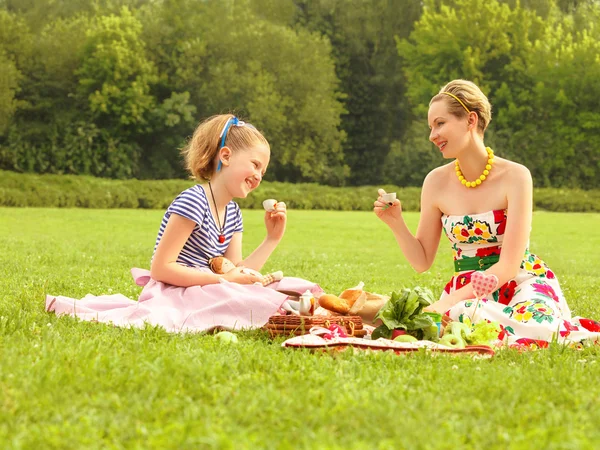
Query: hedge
point(71, 191)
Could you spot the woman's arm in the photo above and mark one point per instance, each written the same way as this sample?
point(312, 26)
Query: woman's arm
point(419, 250)
point(519, 198)
point(166, 269)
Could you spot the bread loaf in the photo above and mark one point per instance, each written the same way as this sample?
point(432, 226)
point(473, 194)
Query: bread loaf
point(351, 295)
point(334, 303)
point(371, 307)
point(358, 304)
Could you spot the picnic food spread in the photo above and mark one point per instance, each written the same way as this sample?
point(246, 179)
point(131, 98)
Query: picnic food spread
point(400, 318)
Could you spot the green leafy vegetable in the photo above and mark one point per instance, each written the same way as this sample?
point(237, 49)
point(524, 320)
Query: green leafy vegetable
point(484, 333)
point(404, 311)
point(481, 333)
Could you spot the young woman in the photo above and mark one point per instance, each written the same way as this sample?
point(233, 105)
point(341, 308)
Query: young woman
point(483, 204)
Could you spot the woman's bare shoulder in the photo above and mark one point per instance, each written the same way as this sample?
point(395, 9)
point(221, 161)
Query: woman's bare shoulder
point(439, 175)
point(513, 171)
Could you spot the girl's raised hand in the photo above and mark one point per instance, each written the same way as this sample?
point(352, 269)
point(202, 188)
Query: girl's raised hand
point(386, 212)
point(275, 222)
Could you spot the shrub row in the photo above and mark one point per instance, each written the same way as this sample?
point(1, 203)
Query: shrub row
point(69, 191)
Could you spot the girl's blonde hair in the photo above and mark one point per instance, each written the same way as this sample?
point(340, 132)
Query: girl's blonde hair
point(471, 97)
point(201, 150)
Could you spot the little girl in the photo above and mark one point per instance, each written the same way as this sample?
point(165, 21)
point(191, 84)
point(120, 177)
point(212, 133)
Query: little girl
point(203, 221)
point(180, 292)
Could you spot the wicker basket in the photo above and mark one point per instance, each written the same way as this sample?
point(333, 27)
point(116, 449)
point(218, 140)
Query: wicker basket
point(291, 325)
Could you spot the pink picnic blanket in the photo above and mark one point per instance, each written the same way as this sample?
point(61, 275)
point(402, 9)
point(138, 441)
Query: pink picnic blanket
point(197, 308)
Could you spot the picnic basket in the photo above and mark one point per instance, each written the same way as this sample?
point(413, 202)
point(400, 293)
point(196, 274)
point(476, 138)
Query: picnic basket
point(291, 325)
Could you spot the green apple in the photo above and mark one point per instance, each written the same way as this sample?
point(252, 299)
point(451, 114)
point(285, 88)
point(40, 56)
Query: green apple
point(459, 329)
point(452, 340)
point(226, 337)
point(405, 338)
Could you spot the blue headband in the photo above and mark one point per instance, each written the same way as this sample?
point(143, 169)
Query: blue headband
point(231, 121)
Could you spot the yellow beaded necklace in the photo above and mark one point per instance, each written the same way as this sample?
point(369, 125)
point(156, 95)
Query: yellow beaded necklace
point(482, 177)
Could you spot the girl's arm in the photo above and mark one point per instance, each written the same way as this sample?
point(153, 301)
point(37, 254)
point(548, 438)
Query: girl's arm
point(257, 259)
point(419, 250)
point(519, 215)
point(275, 223)
point(166, 269)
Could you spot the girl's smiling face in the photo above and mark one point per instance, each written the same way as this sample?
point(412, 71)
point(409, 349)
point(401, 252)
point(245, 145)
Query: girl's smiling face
point(246, 170)
point(448, 132)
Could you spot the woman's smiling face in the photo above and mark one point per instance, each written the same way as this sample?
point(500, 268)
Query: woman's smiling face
point(448, 132)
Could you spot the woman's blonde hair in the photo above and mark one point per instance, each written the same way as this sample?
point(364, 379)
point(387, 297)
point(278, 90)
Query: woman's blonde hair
point(201, 150)
point(472, 99)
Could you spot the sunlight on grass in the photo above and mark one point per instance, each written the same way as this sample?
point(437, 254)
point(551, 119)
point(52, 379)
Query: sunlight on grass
point(69, 384)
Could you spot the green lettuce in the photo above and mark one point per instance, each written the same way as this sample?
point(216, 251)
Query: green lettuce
point(404, 311)
point(483, 333)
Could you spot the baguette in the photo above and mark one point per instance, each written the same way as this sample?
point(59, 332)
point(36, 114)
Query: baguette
point(334, 303)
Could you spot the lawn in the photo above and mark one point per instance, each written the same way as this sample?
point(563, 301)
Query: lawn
point(68, 384)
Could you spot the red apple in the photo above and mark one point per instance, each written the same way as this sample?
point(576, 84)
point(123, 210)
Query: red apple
point(397, 332)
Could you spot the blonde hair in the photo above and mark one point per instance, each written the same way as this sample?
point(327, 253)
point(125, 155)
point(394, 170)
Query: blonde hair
point(201, 150)
point(472, 99)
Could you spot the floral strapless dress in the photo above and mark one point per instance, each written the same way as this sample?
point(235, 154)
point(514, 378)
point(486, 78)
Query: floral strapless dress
point(530, 308)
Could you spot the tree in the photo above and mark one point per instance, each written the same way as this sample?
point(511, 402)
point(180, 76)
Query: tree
point(555, 129)
point(362, 34)
point(9, 85)
point(282, 80)
point(15, 45)
point(115, 76)
point(538, 73)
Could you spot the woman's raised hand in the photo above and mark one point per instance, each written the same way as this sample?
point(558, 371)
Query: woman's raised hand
point(238, 275)
point(388, 213)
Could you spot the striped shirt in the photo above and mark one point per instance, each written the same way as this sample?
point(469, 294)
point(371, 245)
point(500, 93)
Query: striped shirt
point(203, 243)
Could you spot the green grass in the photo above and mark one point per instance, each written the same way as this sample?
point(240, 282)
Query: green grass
point(68, 384)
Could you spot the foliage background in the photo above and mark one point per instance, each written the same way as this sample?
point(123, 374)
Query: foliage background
point(112, 88)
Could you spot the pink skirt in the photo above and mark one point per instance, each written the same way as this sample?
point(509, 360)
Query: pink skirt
point(226, 305)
